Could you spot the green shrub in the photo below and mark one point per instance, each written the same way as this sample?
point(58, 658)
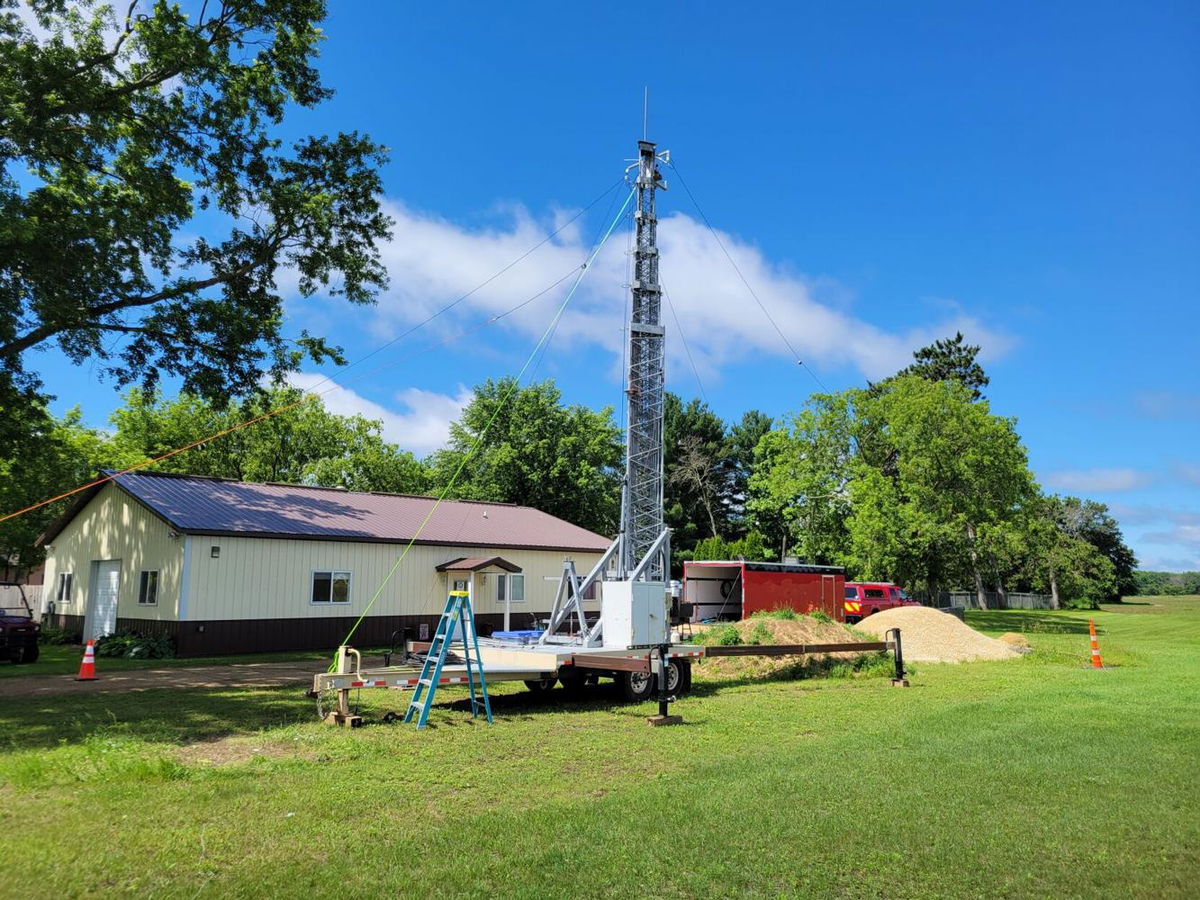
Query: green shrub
point(52, 634)
point(821, 616)
point(785, 612)
point(761, 634)
point(130, 645)
point(725, 636)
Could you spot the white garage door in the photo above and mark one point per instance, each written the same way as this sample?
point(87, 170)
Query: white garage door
point(102, 606)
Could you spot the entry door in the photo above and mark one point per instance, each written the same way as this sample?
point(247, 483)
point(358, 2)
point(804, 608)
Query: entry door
point(829, 598)
point(102, 604)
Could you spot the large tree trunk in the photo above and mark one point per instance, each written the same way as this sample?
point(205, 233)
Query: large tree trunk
point(980, 596)
point(1054, 601)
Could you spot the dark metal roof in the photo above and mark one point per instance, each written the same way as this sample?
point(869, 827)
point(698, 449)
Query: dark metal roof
point(216, 506)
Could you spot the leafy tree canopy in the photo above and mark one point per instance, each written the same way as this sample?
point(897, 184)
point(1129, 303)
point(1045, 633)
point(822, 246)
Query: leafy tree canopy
point(950, 359)
point(57, 455)
point(533, 450)
point(304, 444)
point(125, 138)
point(1090, 521)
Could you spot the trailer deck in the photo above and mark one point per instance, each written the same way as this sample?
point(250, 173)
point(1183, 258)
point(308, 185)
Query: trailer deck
point(540, 665)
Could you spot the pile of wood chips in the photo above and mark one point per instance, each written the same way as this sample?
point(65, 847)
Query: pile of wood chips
point(928, 635)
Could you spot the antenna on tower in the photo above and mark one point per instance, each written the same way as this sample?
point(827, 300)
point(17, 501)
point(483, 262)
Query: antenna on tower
point(645, 111)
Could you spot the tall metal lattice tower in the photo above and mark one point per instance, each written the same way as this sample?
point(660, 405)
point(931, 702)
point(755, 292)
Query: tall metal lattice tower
point(642, 496)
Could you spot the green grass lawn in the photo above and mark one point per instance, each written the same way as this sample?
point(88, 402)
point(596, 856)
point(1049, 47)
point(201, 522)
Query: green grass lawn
point(1034, 777)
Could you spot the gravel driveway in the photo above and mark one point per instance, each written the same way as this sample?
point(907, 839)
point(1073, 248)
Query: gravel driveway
point(237, 675)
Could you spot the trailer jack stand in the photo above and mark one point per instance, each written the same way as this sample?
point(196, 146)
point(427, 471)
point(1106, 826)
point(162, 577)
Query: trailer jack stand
point(664, 716)
point(898, 652)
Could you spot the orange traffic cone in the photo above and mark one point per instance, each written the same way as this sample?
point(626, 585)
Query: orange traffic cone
point(87, 668)
point(1096, 664)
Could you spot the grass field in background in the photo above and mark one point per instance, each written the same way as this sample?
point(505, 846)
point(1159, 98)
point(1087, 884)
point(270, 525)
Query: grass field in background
point(1032, 777)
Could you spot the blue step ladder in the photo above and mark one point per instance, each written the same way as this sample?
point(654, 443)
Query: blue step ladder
point(457, 614)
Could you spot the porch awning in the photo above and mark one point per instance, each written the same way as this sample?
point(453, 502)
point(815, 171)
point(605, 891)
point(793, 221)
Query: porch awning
point(476, 563)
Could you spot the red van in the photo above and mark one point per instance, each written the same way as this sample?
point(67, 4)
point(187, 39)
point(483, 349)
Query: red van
point(865, 598)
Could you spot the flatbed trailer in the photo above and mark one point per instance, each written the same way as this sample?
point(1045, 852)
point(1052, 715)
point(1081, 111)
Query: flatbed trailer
point(541, 666)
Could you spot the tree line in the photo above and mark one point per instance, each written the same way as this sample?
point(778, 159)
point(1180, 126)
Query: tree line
point(912, 479)
point(1166, 584)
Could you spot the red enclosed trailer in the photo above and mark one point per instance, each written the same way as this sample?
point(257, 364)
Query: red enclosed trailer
point(738, 588)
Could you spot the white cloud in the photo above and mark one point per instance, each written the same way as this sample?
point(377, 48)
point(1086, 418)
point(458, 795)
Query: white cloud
point(1189, 472)
point(1143, 514)
point(1169, 562)
point(1180, 536)
point(432, 260)
point(422, 425)
point(1167, 405)
point(1088, 480)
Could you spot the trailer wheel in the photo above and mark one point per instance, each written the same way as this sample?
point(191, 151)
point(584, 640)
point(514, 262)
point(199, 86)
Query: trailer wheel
point(541, 685)
point(572, 679)
point(679, 677)
point(685, 675)
point(637, 687)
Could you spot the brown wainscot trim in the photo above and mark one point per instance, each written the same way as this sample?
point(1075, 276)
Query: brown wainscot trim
point(226, 636)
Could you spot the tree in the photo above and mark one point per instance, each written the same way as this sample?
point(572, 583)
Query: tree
point(751, 547)
point(959, 471)
point(304, 444)
point(1079, 553)
point(798, 489)
point(740, 442)
point(1154, 584)
point(1091, 521)
point(122, 141)
point(695, 472)
point(522, 445)
point(1072, 570)
point(950, 359)
point(58, 454)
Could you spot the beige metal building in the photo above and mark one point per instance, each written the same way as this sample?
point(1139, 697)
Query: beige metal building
point(227, 567)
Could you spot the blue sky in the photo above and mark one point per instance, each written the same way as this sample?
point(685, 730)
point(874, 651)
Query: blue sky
point(884, 174)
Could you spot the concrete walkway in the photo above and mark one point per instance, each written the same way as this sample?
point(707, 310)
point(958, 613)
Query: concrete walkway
point(236, 675)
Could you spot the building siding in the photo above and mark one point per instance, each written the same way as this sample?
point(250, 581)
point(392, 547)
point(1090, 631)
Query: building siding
point(272, 578)
point(115, 526)
point(256, 595)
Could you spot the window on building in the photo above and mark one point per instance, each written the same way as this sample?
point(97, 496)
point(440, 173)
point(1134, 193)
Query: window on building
point(510, 587)
point(62, 593)
point(148, 589)
point(516, 587)
point(331, 587)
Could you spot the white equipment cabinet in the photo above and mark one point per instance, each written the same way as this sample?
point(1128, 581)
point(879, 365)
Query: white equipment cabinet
point(634, 614)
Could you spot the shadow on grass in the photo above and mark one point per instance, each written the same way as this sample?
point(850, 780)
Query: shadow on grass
point(609, 694)
point(1027, 621)
point(166, 716)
